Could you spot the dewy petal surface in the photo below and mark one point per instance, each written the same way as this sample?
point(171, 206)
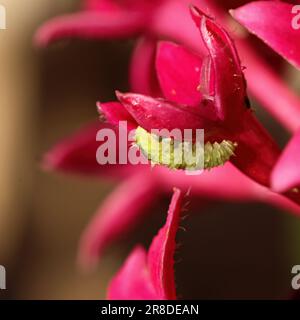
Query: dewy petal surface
point(272, 21)
point(151, 113)
point(151, 276)
point(286, 173)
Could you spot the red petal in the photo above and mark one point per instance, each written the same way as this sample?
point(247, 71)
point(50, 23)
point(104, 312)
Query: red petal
point(77, 154)
point(179, 73)
point(91, 24)
point(119, 213)
point(272, 21)
point(143, 77)
point(228, 78)
point(162, 249)
point(115, 112)
point(152, 113)
point(256, 153)
point(151, 277)
point(133, 280)
point(286, 173)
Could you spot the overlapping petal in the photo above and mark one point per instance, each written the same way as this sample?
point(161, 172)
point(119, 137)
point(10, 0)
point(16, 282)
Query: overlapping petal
point(151, 276)
point(227, 115)
point(286, 173)
point(228, 78)
point(151, 113)
point(272, 21)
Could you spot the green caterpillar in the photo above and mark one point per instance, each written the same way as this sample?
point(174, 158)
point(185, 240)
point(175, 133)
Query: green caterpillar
point(183, 155)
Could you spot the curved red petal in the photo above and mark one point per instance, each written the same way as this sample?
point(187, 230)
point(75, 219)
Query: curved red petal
point(152, 113)
point(162, 249)
point(228, 78)
point(151, 276)
point(76, 154)
point(275, 23)
point(115, 112)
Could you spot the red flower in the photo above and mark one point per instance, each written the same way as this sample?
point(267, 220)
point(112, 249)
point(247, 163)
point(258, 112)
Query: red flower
point(123, 208)
point(224, 93)
point(215, 101)
point(169, 19)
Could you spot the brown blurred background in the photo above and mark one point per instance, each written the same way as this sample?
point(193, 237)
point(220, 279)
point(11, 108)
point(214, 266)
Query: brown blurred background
point(229, 251)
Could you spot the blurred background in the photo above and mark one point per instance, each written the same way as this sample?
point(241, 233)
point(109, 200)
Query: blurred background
point(230, 250)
